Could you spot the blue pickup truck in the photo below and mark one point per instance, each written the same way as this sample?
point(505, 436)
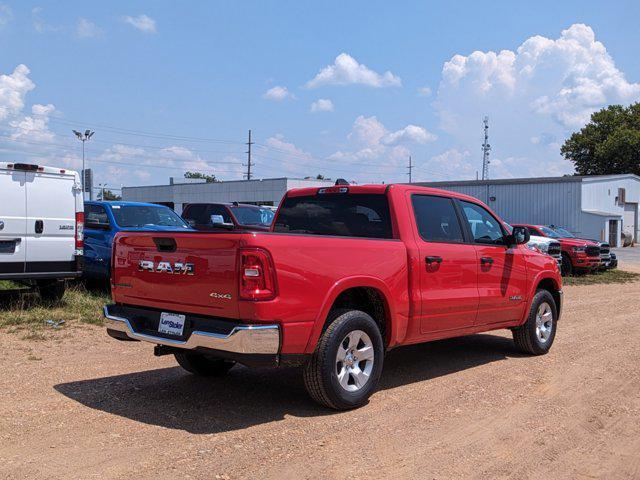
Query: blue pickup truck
point(102, 220)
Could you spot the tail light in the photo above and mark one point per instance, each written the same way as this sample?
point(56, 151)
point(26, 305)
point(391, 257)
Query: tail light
point(257, 275)
point(79, 232)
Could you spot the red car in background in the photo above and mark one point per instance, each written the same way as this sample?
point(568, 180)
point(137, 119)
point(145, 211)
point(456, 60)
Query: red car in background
point(577, 254)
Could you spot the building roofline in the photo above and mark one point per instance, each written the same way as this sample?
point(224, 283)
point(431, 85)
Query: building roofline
point(231, 181)
point(514, 181)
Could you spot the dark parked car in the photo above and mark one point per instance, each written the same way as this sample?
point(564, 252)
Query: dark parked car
point(233, 216)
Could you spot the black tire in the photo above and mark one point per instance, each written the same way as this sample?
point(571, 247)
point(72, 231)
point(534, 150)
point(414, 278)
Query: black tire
point(51, 291)
point(203, 365)
point(526, 337)
point(567, 267)
point(320, 373)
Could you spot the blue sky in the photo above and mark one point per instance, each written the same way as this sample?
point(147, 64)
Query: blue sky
point(345, 89)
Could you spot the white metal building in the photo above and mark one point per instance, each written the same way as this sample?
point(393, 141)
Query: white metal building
point(598, 207)
point(179, 192)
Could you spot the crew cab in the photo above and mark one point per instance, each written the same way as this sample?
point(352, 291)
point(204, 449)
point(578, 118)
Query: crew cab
point(605, 249)
point(230, 216)
point(41, 225)
point(578, 255)
point(104, 219)
point(345, 274)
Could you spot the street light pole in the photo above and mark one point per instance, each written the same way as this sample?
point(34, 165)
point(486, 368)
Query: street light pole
point(83, 137)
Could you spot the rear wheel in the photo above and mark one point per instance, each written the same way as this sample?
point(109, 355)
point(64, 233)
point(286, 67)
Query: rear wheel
point(345, 368)
point(51, 291)
point(203, 365)
point(536, 336)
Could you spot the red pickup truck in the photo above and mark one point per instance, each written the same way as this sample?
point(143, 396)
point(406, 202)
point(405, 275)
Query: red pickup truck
point(345, 274)
point(578, 255)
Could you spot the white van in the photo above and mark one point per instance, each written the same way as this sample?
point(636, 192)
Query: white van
point(41, 226)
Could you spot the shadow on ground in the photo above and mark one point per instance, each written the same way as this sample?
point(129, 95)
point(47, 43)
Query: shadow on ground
point(172, 398)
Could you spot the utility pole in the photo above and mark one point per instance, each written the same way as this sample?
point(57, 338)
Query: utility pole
point(249, 143)
point(410, 168)
point(486, 148)
point(83, 137)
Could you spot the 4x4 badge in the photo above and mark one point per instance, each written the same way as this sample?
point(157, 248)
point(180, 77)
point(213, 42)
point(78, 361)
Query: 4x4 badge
point(223, 296)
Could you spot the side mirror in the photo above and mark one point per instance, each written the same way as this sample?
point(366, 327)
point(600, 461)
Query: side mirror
point(519, 235)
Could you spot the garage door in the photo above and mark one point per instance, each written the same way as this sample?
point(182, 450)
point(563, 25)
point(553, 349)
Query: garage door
point(630, 219)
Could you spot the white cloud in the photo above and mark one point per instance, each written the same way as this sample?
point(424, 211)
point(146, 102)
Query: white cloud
point(372, 142)
point(370, 131)
point(6, 15)
point(34, 127)
point(142, 22)
point(424, 91)
point(322, 105)
point(547, 88)
point(87, 29)
point(40, 25)
point(278, 94)
point(346, 70)
point(13, 89)
point(410, 133)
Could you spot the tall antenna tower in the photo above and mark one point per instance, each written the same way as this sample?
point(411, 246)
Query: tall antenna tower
point(486, 148)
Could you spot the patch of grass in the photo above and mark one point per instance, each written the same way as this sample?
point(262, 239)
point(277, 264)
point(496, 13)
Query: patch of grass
point(28, 314)
point(606, 277)
point(8, 285)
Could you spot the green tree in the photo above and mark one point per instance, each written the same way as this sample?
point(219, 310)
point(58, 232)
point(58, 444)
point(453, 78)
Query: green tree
point(203, 176)
point(608, 144)
point(108, 195)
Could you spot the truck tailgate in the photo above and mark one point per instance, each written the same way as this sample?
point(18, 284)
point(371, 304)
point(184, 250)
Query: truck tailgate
point(181, 272)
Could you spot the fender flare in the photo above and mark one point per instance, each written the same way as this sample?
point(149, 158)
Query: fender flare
point(343, 285)
point(541, 276)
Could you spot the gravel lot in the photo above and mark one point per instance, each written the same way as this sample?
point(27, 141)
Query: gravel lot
point(80, 405)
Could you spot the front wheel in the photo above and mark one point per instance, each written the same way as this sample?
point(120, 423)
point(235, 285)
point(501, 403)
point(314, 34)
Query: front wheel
point(536, 336)
point(345, 368)
point(202, 365)
point(567, 267)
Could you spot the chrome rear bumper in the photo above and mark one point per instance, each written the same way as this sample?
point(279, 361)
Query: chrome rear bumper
point(243, 339)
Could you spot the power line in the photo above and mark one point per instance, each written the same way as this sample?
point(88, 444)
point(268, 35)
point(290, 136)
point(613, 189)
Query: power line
point(410, 168)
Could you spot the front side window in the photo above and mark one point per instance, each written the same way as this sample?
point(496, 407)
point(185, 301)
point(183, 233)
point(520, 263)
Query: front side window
point(436, 219)
point(485, 228)
point(342, 214)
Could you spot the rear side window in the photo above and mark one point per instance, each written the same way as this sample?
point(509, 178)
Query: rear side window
point(95, 215)
point(437, 219)
point(344, 215)
point(200, 215)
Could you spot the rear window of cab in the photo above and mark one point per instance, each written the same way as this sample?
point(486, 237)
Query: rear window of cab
point(343, 215)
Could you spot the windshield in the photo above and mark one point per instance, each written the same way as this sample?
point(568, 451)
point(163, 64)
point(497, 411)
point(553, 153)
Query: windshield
point(146, 216)
point(253, 215)
point(563, 233)
point(549, 232)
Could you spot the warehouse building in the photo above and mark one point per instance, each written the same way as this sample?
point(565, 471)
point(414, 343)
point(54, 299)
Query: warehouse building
point(181, 191)
point(599, 207)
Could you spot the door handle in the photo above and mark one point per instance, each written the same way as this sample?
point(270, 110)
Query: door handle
point(433, 259)
point(39, 226)
point(485, 260)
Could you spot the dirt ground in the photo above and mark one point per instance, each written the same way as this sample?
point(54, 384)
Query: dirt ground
point(81, 405)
